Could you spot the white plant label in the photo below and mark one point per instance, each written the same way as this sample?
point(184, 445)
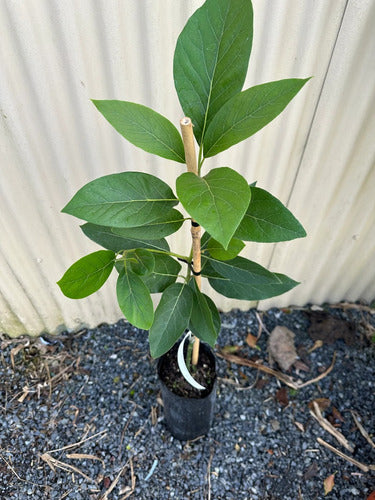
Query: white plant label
point(182, 365)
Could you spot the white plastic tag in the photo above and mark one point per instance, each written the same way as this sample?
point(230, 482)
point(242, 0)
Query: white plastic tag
point(182, 365)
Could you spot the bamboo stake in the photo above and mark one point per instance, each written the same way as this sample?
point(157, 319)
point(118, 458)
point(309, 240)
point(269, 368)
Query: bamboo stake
point(192, 166)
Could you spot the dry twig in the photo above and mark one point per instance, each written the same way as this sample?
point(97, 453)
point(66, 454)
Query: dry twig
point(129, 489)
point(209, 474)
point(360, 465)
point(84, 456)
point(114, 482)
point(260, 321)
point(362, 430)
point(349, 305)
point(74, 445)
point(53, 462)
point(317, 414)
point(284, 378)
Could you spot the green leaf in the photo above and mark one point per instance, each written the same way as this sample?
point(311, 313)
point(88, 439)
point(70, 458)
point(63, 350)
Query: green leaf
point(243, 279)
point(171, 318)
point(219, 253)
point(267, 220)
point(205, 319)
point(164, 226)
point(211, 58)
point(140, 261)
point(217, 201)
point(134, 299)
point(104, 236)
point(164, 274)
point(247, 112)
point(127, 199)
point(87, 275)
point(144, 127)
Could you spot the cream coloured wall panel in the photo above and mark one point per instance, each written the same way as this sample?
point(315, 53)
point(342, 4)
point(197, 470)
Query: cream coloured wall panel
point(318, 156)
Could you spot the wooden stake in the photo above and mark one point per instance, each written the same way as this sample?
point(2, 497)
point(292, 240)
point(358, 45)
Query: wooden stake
point(192, 166)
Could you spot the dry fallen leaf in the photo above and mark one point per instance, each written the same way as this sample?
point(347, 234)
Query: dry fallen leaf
point(281, 347)
point(251, 341)
point(282, 396)
point(301, 366)
point(337, 415)
point(325, 327)
point(371, 496)
point(106, 482)
point(299, 425)
point(323, 403)
point(329, 483)
point(229, 349)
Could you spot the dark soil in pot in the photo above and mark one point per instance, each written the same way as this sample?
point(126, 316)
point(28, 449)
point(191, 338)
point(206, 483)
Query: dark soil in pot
point(204, 373)
point(188, 411)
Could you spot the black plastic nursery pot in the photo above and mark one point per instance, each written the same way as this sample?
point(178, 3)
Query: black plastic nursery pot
point(188, 412)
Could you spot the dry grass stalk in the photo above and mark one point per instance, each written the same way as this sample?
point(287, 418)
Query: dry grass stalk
point(12, 469)
point(129, 490)
point(349, 305)
point(84, 456)
point(36, 388)
point(360, 465)
point(284, 378)
point(25, 392)
point(15, 351)
point(114, 482)
point(124, 430)
point(209, 474)
point(154, 416)
point(261, 324)
point(238, 386)
point(74, 445)
point(53, 462)
point(362, 430)
point(66, 494)
point(317, 414)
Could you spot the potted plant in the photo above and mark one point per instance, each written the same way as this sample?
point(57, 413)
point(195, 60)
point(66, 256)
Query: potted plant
point(131, 213)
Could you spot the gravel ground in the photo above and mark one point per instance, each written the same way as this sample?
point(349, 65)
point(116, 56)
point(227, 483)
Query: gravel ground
point(97, 391)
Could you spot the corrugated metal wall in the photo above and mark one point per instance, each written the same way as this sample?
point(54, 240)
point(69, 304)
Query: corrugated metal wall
point(318, 156)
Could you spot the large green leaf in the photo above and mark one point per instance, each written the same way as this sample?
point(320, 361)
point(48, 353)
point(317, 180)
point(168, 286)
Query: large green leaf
point(164, 274)
point(243, 279)
point(134, 299)
point(104, 236)
point(267, 220)
point(172, 317)
point(164, 226)
point(219, 253)
point(140, 261)
point(247, 112)
point(205, 319)
point(144, 128)
point(87, 275)
point(217, 201)
point(127, 199)
point(211, 58)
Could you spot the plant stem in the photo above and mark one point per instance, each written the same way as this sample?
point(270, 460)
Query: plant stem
point(189, 356)
point(184, 258)
point(192, 166)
